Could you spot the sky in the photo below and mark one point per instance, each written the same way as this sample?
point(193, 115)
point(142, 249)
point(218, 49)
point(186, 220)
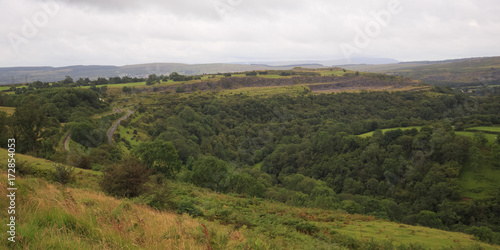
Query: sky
point(113, 32)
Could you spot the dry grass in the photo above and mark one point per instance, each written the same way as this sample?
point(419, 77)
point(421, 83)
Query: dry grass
point(52, 216)
point(7, 110)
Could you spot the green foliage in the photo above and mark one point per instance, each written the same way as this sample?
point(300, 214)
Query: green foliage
point(482, 233)
point(160, 195)
point(210, 172)
point(426, 218)
point(85, 134)
point(245, 183)
point(188, 206)
point(160, 156)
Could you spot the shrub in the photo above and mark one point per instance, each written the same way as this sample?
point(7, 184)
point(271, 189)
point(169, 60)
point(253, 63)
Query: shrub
point(160, 195)
point(63, 173)
point(126, 179)
point(84, 162)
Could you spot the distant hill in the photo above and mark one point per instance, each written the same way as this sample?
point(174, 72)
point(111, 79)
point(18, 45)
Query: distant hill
point(335, 62)
point(29, 74)
point(469, 71)
point(12, 75)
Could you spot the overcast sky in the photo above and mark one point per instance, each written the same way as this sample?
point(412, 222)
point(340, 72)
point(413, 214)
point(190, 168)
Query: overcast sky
point(121, 32)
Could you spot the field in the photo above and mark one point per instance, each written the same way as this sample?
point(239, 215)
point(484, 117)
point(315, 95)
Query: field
point(491, 137)
point(492, 129)
point(7, 110)
point(2, 88)
point(387, 129)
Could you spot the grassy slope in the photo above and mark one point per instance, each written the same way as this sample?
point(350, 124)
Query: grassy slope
point(52, 216)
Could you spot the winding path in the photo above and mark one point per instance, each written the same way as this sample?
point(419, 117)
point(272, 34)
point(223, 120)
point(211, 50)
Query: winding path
point(66, 140)
point(115, 126)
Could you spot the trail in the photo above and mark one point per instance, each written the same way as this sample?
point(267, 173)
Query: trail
point(66, 140)
point(115, 126)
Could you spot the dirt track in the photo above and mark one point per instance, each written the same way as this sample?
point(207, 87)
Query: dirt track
point(65, 141)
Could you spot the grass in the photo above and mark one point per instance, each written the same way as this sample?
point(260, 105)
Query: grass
point(491, 129)
point(482, 182)
point(53, 217)
point(2, 88)
point(84, 178)
point(7, 110)
point(387, 129)
point(491, 137)
point(128, 134)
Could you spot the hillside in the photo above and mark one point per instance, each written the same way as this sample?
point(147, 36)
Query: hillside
point(302, 158)
point(473, 71)
point(50, 215)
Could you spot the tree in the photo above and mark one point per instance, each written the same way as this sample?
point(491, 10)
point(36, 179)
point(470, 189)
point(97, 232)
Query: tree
point(160, 156)
point(68, 80)
point(495, 156)
point(480, 139)
point(210, 172)
point(30, 122)
point(427, 219)
point(85, 134)
point(152, 79)
point(3, 129)
point(101, 81)
point(126, 89)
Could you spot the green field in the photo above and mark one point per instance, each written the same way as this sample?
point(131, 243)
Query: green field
point(387, 129)
point(491, 129)
point(491, 137)
point(2, 88)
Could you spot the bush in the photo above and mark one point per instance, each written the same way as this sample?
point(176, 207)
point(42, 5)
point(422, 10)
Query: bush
point(63, 173)
point(126, 179)
point(84, 162)
point(160, 196)
point(482, 233)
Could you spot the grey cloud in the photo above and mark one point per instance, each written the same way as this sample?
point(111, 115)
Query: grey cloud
point(125, 32)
